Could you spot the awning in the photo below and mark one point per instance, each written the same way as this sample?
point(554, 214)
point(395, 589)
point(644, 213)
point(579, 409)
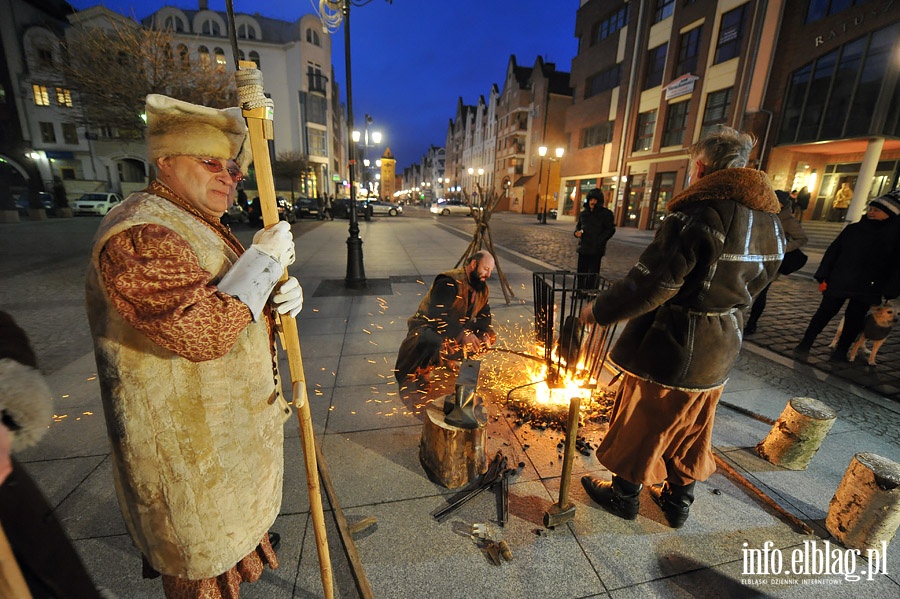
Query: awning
point(521, 181)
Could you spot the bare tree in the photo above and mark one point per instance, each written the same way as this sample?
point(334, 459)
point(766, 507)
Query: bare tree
point(291, 165)
point(113, 68)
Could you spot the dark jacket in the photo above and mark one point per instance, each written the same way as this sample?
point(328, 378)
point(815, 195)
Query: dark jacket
point(597, 226)
point(861, 263)
point(718, 248)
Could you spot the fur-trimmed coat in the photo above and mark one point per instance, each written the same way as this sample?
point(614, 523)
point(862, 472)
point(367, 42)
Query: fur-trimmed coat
point(718, 248)
point(197, 445)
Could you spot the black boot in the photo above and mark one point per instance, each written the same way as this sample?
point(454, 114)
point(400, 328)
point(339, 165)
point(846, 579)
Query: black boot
point(675, 501)
point(618, 497)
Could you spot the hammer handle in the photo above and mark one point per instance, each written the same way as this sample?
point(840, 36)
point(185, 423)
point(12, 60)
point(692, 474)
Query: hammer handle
point(568, 457)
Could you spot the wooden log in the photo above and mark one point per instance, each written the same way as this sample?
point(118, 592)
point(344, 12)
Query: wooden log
point(452, 456)
point(865, 509)
point(797, 434)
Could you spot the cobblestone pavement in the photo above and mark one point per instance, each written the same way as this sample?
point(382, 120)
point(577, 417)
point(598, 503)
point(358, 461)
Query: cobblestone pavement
point(791, 302)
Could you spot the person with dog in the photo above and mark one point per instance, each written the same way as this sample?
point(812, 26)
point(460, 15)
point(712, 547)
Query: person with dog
point(796, 238)
point(718, 247)
point(184, 338)
point(594, 227)
point(453, 321)
point(858, 269)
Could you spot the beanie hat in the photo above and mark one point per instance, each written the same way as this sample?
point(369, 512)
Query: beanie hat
point(889, 203)
point(595, 194)
point(177, 128)
point(26, 403)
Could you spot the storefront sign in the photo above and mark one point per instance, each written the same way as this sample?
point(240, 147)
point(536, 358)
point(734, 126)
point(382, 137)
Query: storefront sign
point(682, 86)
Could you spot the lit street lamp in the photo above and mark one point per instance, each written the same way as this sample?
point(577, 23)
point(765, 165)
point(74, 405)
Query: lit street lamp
point(542, 151)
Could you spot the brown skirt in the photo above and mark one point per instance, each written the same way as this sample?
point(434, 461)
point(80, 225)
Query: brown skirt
point(225, 585)
point(658, 433)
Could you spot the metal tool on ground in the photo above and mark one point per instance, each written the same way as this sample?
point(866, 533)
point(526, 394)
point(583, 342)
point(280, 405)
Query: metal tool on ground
point(496, 471)
point(561, 512)
point(494, 550)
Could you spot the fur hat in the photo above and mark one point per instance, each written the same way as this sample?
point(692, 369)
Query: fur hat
point(25, 399)
point(889, 203)
point(177, 128)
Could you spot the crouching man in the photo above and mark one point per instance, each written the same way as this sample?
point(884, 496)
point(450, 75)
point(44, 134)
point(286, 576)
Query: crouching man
point(453, 322)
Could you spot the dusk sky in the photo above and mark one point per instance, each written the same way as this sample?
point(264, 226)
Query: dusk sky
point(412, 59)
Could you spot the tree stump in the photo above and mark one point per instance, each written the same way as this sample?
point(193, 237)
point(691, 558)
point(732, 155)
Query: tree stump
point(797, 434)
point(865, 509)
point(452, 456)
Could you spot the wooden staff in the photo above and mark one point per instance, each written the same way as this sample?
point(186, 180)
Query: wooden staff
point(259, 123)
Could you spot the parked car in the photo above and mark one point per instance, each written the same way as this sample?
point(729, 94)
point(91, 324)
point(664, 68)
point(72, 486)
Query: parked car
point(235, 214)
point(341, 208)
point(45, 198)
point(284, 206)
point(448, 207)
point(382, 207)
point(306, 207)
point(97, 204)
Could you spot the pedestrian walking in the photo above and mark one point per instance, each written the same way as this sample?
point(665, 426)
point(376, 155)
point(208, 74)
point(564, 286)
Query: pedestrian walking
point(719, 246)
point(841, 202)
point(801, 203)
point(594, 228)
point(329, 207)
point(859, 268)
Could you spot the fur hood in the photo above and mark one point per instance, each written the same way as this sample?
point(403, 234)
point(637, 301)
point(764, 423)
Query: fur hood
point(746, 186)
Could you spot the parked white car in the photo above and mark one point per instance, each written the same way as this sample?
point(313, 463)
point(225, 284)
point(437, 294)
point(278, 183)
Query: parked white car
point(96, 203)
point(448, 207)
point(382, 207)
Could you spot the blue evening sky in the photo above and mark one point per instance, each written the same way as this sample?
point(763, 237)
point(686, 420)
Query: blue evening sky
point(412, 59)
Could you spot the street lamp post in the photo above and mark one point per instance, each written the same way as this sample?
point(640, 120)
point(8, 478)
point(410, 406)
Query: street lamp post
point(543, 152)
point(356, 271)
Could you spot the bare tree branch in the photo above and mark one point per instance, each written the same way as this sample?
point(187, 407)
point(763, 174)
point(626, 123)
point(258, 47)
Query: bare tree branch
point(112, 69)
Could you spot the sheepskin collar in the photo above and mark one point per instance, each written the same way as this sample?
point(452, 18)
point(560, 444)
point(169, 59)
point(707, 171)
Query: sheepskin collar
point(746, 186)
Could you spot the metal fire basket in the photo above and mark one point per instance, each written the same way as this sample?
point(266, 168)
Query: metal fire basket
point(571, 350)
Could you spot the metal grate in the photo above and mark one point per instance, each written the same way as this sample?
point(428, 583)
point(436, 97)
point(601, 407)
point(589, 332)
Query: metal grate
point(570, 350)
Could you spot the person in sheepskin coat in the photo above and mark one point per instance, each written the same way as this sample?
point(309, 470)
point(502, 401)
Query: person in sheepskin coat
point(48, 562)
point(719, 246)
point(184, 338)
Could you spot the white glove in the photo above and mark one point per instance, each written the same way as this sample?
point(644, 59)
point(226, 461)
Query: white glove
point(289, 297)
point(277, 242)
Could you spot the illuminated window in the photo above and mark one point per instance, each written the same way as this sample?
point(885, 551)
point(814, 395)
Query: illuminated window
point(220, 59)
point(64, 97)
point(41, 95)
point(203, 53)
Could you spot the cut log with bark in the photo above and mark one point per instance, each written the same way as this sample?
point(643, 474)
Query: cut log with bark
point(797, 434)
point(865, 509)
point(452, 456)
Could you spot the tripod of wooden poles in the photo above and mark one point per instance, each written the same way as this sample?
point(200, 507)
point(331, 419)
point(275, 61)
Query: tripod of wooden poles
point(483, 205)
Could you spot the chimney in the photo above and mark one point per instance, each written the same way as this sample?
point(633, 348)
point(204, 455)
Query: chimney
point(204, 4)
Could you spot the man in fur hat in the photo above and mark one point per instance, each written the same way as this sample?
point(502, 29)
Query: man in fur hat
point(719, 247)
point(184, 341)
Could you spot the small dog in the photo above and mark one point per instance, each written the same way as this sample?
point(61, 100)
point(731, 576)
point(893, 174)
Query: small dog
point(879, 322)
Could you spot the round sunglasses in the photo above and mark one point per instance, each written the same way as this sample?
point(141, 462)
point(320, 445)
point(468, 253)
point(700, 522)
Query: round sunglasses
point(216, 166)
